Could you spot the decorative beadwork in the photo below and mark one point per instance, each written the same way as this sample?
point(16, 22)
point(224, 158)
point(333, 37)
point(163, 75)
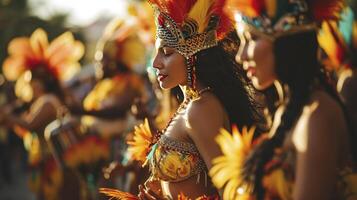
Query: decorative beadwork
point(177, 145)
point(186, 40)
point(295, 20)
point(191, 72)
point(186, 151)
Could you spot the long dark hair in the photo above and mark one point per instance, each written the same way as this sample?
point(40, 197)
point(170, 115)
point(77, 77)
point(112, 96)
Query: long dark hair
point(298, 68)
point(216, 68)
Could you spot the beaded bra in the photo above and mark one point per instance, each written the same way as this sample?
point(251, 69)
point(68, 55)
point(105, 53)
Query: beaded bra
point(173, 160)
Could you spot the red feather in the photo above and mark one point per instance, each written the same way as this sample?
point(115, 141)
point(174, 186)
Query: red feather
point(179, 9)
point(176, 9)
point(325, 9)
point(225, 24)
point(259, 6)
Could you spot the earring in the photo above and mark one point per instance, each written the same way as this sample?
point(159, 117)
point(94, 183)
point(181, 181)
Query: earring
point(191, 73)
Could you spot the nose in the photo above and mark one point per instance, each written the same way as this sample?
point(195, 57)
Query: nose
point(242, 53)
point(157, 64)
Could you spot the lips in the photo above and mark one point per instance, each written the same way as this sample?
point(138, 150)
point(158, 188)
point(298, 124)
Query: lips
point(249, 67)
point(250, 71)
point(161, 77)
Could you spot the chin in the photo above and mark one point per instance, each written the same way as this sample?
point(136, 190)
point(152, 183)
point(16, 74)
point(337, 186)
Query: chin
point(261, 85)
point(165, 86)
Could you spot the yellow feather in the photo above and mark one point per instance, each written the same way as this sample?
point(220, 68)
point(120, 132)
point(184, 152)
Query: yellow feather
point(199, 13)
point(116, 194)
point(328, 42)
point(271, 7)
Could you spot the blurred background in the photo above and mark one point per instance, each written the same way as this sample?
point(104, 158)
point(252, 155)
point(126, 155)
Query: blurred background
point(75, 80)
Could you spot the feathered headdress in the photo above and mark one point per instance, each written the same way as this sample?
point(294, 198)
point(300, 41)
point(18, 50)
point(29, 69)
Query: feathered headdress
point(36, 56)
point(337, 38)
point(59, 58)
point(190, 26)
point(121, 44)
point(279, 17)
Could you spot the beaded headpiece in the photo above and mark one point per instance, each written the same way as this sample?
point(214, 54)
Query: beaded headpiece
point(190, 26)
point(274, 18)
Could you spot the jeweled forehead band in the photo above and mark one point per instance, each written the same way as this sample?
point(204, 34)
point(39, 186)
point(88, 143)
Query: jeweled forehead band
point(186, 40)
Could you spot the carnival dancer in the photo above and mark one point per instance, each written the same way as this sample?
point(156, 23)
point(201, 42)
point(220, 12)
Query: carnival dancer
point(38, 67)
point(194, 51)
point(308, 153)
point(338, 39)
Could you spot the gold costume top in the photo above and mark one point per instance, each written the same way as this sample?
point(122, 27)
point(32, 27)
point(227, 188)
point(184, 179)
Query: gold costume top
point(173, 160)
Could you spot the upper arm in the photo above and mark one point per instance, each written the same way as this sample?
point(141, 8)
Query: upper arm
point(205, 118)
point(41, 115)
point(316, 142)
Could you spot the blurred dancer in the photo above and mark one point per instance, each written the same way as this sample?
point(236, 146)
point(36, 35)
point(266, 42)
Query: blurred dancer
point(38, 67)
point(196, 53)
point(338, 40)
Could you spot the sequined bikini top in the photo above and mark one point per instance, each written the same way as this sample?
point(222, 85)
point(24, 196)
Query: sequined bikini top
point(172, 160)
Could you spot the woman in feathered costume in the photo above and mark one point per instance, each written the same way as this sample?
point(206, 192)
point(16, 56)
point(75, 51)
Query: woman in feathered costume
point(338, 39)
point(39, 67)
point(195, 52)
point(308, 153)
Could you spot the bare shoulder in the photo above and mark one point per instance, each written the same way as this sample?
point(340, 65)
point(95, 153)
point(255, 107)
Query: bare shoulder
point(205, 117)
point(324, 108)
point(322, 120)
point(205, 113)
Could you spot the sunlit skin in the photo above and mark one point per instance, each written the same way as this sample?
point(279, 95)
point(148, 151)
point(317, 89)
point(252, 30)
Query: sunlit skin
point(170, 66)
point(199, 123)
point(320, 147)
point(43, 110)
point(256, 56)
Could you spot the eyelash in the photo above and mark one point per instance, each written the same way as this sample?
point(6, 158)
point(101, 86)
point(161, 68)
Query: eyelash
point(166, 53)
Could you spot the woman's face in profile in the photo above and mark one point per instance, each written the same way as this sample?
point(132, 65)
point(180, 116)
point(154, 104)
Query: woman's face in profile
point(256, 55)
point(170, 66)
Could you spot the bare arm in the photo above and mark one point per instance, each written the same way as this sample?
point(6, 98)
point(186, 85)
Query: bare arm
point(205, 118)
point(36, 119)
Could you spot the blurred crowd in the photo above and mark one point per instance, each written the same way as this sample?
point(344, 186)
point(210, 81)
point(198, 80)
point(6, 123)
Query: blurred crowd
point(73, 121)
